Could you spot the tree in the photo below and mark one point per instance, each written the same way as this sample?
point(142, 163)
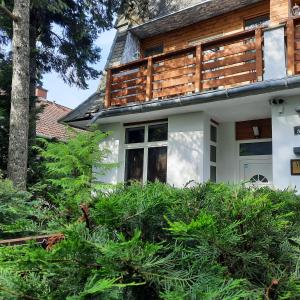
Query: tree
point(61, 38)
point(5, 90)
point(19, 113)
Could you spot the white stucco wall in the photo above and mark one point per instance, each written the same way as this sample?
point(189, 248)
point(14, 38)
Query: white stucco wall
point(185, 149)
point(284, 141)
point(226, 153)
point(114, 144)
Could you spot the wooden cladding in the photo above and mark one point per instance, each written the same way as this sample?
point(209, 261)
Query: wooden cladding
point(293, 46)
point(225, 62)
point(244, 130)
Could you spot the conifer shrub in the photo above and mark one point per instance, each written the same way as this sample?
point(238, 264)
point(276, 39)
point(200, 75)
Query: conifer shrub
point(212, 241)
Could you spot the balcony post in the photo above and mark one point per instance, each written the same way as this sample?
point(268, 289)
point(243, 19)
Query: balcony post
point(198, 68)
point(291, 47)
point(149, 79)
point(259, 56)
point(107, 101)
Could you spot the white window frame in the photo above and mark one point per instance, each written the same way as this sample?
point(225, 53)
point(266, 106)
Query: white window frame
point(215, 144)
point(145, 145)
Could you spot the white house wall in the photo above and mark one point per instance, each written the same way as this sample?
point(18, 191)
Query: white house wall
point(185, 149)
point(284, 141)
point(114, 144)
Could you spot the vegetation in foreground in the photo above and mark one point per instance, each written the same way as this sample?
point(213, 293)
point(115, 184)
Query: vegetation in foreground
point(212, 241)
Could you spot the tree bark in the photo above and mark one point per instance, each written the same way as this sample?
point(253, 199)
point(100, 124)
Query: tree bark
point(19, 115)
point(33, 80)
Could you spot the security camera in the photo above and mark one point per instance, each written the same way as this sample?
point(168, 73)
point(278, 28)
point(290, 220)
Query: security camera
point(277, 101)
point(297, 109)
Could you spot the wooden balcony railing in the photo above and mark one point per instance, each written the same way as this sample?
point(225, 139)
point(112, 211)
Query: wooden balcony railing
point(293, 46)
point(229, 61)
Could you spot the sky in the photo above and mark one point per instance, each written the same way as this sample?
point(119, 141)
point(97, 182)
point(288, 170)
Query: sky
point(72, 96)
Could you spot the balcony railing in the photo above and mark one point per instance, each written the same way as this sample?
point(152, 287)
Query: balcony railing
point(293, 46)
point(226, 62)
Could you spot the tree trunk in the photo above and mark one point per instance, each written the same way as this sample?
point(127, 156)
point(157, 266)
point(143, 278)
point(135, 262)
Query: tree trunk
point(32, 85)
point(19, 115)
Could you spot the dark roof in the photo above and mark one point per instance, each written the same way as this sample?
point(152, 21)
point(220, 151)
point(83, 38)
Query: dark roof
point(86, 109)
point(188, 15)
point(47, 123)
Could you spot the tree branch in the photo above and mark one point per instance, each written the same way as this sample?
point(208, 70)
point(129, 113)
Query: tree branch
point(8, 12)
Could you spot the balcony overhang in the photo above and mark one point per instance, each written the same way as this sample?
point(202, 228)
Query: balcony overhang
point(187, 16)
point(271, 87)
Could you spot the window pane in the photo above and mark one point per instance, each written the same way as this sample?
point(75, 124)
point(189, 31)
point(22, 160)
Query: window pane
point(158, 132)
point(135, 135)
point(134, 164)
point(157, 164)
point(154, 50)
point(258, 21)
point(213, 154)
point(263, 148)
point(213, 174)
point(213, 133)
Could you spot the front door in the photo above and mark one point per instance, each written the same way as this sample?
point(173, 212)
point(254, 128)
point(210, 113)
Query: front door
point(256, 172)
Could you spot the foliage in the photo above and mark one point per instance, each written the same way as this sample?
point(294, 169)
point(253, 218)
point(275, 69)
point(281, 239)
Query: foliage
point(213, 241)
point(65, 32)
point(18, 211)
point(5, 88)
point(70, 170)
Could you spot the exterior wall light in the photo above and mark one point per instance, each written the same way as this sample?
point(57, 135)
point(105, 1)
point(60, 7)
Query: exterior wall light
point(256, 131)
point(279, 103)
point(297, 109)
point(297, 151)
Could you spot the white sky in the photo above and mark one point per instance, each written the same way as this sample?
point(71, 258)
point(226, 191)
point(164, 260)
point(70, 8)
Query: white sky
point(71, 96)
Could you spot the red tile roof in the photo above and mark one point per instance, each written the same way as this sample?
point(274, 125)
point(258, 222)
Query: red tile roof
point(47, 123)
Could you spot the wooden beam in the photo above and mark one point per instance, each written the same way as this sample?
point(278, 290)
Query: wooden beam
point(149, 79)
point(198, 72)
point(107, 101)
point(259, 54)
point(22, 241)
point(291, 47)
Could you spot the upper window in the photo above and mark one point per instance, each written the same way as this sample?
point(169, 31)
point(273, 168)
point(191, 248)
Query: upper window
point(159, 49)
point(155, 133)
point(135, 135)
point(257, 21)
point(258, 148)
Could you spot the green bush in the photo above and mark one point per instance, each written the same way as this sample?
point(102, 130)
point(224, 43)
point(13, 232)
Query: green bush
point(213, 241)
point(19, 212)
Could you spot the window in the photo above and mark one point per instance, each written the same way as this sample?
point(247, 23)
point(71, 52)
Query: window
point(154, 50)
point(157, 164)
point(134, 164)
point(146, 150)
point(256, 22)
point(213, 133)
point(213, 152)
point(135, 135)
point(258, 148)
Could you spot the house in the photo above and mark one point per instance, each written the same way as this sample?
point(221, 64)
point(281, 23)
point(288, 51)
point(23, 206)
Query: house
point(203, 90)
point(47, 124)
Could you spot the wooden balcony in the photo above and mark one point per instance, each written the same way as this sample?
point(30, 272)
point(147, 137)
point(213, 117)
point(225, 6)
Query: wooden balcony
point(230, 61)
point(293, 46)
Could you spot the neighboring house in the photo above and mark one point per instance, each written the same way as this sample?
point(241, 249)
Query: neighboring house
point(47, 124)
point(203, 90)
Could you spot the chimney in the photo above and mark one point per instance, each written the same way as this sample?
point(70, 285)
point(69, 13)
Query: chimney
point(41, 92)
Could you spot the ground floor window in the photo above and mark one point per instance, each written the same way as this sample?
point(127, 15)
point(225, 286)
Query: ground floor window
point(213, 151)
point(146, 148)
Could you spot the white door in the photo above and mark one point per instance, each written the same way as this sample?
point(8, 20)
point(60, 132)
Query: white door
point(256, 172)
